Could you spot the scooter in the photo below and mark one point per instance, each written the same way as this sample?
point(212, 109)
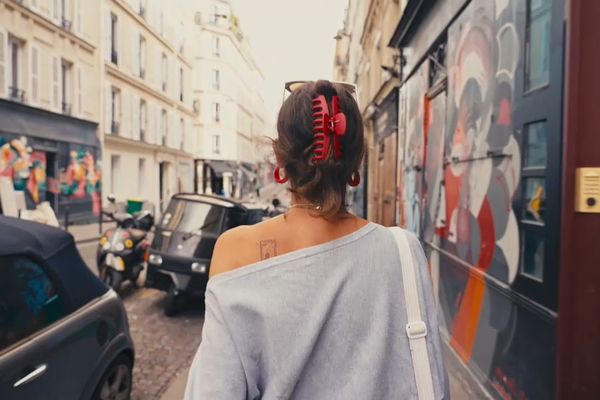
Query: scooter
point(122, 251)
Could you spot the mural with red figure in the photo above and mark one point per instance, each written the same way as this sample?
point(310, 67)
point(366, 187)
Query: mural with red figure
point(461, 169)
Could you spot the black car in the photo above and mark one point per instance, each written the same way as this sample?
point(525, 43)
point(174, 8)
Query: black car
point(63, 333)
point(184, 240)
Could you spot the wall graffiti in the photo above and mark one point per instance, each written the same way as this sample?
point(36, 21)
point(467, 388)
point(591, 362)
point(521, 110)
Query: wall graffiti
point(461, 171)
point(80, 178)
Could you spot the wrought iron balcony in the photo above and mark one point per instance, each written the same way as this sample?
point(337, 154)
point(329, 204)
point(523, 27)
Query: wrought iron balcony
point(114, 127)
point(114, 57)
point(66, 24)
point(66, 108)
point(16, 94)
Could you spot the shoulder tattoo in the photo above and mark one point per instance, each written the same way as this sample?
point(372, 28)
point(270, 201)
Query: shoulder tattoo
point(268, 249)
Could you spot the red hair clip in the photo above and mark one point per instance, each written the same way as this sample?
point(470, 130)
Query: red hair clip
point(324, 126)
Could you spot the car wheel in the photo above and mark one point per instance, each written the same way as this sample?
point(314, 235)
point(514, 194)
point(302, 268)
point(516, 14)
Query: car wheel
point(171, 303)
point(112, 279)
point(116, 381)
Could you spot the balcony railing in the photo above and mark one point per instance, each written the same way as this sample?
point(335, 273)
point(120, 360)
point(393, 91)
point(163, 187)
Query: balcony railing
point(114, 127)
point(142, 135)
point(114, 57)
point(66, 24)
point(16, 94)
point(142, 72)
point(66, 108)
point(142, 11)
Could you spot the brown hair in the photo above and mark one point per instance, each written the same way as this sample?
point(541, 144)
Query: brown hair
point(322, 182)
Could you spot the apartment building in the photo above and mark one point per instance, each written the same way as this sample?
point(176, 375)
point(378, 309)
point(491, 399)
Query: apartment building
point(50, 103)
point(148, 105)
point(363, 56)
point(228, 88)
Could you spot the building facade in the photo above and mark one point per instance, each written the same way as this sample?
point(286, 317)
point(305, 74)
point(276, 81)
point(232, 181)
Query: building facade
point(363, 57)
point(148, 106)
point(50, 103)
point(228, 91)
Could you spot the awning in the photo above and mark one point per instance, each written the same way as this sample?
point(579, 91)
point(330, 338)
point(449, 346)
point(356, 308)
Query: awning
point(221, 166)
point(20, 119)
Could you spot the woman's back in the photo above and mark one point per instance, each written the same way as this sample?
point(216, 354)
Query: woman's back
point(324, 322)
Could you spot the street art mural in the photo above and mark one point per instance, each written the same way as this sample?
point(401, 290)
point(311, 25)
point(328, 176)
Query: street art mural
point(461, 172)
point(82, 178)
point(79, 179)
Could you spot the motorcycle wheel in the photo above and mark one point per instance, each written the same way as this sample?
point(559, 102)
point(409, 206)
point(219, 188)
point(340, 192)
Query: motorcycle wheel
point(112, 278)
point(171, 302)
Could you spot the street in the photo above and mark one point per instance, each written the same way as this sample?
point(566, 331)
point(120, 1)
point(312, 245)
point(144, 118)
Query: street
point(164, 345)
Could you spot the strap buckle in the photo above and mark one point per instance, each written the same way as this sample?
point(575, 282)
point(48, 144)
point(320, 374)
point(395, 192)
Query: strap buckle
point(416, 330)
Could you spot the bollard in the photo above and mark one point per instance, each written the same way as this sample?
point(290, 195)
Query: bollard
point(67, 218)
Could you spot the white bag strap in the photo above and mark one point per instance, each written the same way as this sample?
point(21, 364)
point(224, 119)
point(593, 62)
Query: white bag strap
point(416, 330)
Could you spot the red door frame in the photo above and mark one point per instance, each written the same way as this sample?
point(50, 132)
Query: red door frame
point(578, 358)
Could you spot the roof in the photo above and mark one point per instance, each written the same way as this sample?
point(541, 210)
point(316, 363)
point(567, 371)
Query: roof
point(20, 236)
point(210, 199)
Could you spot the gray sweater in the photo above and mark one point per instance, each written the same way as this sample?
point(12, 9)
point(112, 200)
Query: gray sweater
point(325, 322)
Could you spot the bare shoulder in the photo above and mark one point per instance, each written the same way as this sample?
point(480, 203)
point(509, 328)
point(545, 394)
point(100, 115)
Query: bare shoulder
point(241, 246)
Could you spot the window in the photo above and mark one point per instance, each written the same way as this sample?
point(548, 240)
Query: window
point(533, 194)
point(216, 79)
point(216, 144)
point(143, 120)
point(215, 15)
point(65, 19)
point(115, 170)
point(537, 71)
point(35, 75)
point(164, 72)
point(181, 84)
point(141, 175)
point(217, 112)
point(115, 110)
point(217, 46)
point(142, 57)
point(163, 127)
point(114, 54)
point(66, 75)
point(29, 302)
point(15, 66)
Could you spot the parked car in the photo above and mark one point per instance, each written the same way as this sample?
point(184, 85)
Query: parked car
point(184, 240)
point(63, 333)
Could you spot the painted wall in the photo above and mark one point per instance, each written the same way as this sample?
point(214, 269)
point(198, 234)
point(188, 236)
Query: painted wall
point(460, 172)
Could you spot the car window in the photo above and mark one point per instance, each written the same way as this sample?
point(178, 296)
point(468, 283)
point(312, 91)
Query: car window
point(28, 300)
point(192, 217)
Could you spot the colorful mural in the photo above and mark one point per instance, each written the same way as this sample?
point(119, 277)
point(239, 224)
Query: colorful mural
point(79, 179)
point(461, 172)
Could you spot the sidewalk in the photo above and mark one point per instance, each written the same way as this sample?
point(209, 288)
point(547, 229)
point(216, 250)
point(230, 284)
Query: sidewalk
point(176, 388)
point(88, 232)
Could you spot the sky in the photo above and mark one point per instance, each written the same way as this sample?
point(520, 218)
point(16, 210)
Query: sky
point(290, 40)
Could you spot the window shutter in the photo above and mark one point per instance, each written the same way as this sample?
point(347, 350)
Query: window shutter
point(135, 48)
point(79, 90)
point(107, 109)
point(135, 119)
point(78, 17)
point(150, 122)
point(3, 58)
point(34, 88)
point(55, 71)
point(126, 120)
point(172, 135)
point(68, 14)
point(56, 10)
point(107, 33)
point(188, 141)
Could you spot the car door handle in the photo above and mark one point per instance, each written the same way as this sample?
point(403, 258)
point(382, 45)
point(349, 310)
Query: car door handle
point(32, 375)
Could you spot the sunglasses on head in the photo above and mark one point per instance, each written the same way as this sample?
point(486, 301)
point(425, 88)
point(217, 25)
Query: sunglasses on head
point(292, 86)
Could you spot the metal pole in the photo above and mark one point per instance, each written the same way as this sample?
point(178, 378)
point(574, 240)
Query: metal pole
point(67, 218)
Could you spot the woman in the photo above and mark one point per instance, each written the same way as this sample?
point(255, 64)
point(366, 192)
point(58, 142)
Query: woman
point(309, 305)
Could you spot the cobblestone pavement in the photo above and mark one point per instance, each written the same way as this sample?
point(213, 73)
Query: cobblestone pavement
point(164, 345)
